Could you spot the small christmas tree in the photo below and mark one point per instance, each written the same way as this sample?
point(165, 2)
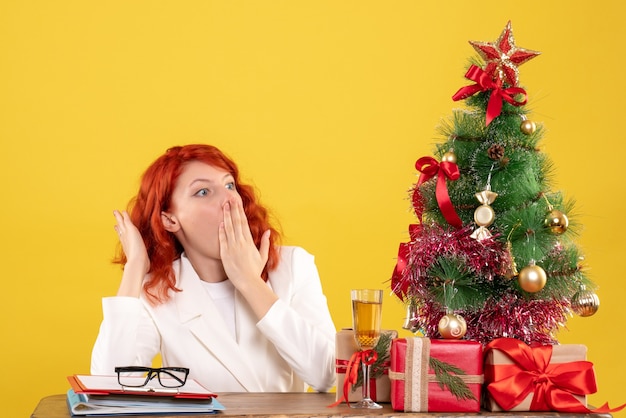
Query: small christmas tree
point(492, 254)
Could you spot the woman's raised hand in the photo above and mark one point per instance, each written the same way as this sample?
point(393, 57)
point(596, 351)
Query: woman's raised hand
point(137, 261)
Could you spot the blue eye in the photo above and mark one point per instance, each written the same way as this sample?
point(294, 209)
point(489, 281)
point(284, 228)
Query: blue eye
point(231, 185)
point(202, 192)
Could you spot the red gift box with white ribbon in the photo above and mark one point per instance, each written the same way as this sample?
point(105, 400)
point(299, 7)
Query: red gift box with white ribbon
point(417, 383)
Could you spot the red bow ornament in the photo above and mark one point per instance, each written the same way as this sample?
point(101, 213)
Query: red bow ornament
point(484, 82)
point(399, 280)
point(554, 386)
point(400, 286)
point(429, 167)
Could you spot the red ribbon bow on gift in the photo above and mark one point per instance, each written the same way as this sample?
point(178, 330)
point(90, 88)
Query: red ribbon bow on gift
point(367, 357)
point(484, 82)
point(429, 167)
point(554, 385)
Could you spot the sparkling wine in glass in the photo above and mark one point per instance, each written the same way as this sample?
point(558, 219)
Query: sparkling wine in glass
point(367, 307)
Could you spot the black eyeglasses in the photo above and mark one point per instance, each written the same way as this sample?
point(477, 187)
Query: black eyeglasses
point(137, 376)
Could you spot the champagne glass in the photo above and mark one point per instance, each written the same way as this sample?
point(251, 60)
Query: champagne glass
point(366, 316)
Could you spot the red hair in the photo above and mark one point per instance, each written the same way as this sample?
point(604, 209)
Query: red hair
point(154, 197)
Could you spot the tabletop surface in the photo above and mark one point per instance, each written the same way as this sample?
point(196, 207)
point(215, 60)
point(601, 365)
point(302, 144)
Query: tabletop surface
point(282, 405)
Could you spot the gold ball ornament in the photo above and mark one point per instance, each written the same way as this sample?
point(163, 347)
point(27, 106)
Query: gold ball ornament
point(556, 221)
point(532, 278)
point(449, 156)
point(528, 127)
point(585, 303)
point(452, 326)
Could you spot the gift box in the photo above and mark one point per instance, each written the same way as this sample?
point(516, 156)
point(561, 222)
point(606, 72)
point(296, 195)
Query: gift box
point(345, 347)
point(436, 375)
point(519, 377)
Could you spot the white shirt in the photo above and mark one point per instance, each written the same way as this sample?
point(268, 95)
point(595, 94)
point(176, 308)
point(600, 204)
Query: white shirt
point(223, 295)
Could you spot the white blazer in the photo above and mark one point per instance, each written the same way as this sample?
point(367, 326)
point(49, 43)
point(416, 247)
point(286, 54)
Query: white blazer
point(291, 347)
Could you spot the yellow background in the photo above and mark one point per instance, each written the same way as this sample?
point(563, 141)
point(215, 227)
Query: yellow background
point(325, 105)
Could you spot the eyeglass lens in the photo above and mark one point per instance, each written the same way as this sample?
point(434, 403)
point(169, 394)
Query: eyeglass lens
point(141, 376)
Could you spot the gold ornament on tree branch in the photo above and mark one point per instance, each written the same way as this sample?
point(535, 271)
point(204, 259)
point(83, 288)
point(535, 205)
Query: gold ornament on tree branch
point(449, 156)
point(555, 220)
point(585, 302)
point(532, 278)
point(528, 127)
point(452, 326)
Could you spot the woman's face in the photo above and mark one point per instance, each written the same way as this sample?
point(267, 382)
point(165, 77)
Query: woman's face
point(197, 207)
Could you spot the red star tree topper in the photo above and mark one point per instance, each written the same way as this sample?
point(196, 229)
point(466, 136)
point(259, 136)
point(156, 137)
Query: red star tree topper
point(503, 57)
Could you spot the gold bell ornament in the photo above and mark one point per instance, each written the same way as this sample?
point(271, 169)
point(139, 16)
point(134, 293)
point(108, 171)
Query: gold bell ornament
point(411, 322)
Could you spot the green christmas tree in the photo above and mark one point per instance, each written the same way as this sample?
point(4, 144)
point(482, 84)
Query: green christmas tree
point(493, 252)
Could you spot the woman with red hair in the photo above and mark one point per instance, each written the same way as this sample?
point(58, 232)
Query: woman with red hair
point(207, 286)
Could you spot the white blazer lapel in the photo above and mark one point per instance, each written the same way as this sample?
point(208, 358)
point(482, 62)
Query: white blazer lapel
point(198, 312)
